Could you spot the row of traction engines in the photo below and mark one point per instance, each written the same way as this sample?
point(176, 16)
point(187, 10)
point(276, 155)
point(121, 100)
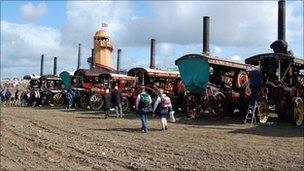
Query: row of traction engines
point(89, 85)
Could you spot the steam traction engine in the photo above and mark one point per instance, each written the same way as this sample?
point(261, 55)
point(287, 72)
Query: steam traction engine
point(50, 93)
point(212, 84)
point(88, 88)
point(153, 79)
point(49, 87)
point(282, 89)
point(125, 84)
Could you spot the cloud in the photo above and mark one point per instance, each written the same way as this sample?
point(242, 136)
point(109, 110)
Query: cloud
point(236, 58)
point(238, 30)
point(85, 18)
point(217, 51)
point(32, 13)
point(165, 49)
point(238, 24)
point(23, 44)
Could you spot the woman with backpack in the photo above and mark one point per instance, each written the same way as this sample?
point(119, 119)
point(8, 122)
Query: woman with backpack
point(162, 107)
point(143, 106)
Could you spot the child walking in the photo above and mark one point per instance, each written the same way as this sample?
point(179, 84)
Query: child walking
point(162, 107)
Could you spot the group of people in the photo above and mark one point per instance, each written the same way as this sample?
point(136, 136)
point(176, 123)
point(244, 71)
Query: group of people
point(143, 104)
point(162, 107)
point(113, 98)
point(6, 96)
point(33, 97)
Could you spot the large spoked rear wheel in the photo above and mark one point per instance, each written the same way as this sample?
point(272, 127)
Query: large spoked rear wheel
point(125, 104)
point(96, 102)
point(191, 105)
point(221, 107)
point(264, 110)
point(58, 99)
point(83, 102)
point(296, 111)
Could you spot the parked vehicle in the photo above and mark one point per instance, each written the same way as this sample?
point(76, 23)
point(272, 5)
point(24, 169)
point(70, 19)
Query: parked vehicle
point(126, 84)
point(282, 89)
point(153, 79)
point(212, 84)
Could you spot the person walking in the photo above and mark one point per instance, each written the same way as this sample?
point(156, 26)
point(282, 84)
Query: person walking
point(37, 97)
point(16, 97)
point(8, 95)
point(143, 106)
point(162, 107)
point(69, 96)
point(2, 96)
point(117, 100)
point(107, 102)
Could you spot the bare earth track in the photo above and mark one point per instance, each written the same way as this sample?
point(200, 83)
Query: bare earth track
point(56, 139)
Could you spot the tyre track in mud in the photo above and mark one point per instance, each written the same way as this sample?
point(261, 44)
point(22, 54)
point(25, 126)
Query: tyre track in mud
point(161, 154)
point(108, 144)
point(43, 125)
point(42, 149)
point(104, 144)
point(157, 152)
point(114, 145)
point(81, 157)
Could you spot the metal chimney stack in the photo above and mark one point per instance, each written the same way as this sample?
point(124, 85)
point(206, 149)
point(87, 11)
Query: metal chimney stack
point(93, 59)
point(79, 56)
point(152, 54)
point(206, 34)
point(118, 60)
point(41, 64)
point(55, 66)
point(281, 19)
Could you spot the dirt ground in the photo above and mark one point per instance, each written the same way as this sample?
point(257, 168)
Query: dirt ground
point(56, 139)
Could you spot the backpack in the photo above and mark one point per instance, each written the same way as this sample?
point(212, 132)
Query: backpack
point(165, 101)
point(144, 100)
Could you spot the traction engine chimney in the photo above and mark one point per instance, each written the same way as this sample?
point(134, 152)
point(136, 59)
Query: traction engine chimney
point(41, 64)
point(118, 60)
point(206, 34)
point(55, 66)
point(152, 54)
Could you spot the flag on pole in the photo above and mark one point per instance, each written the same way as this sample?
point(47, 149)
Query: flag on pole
point(104, 25)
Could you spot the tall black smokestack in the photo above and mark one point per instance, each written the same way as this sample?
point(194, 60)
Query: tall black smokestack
point(41, 64)
point(206, 34)
point(281, 19)
point(152, 54)
point(55, 66)
point(118, 60)
point(79, 56)
point(93, 59)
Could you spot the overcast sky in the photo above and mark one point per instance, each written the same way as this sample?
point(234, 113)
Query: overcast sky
point(239, 29)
